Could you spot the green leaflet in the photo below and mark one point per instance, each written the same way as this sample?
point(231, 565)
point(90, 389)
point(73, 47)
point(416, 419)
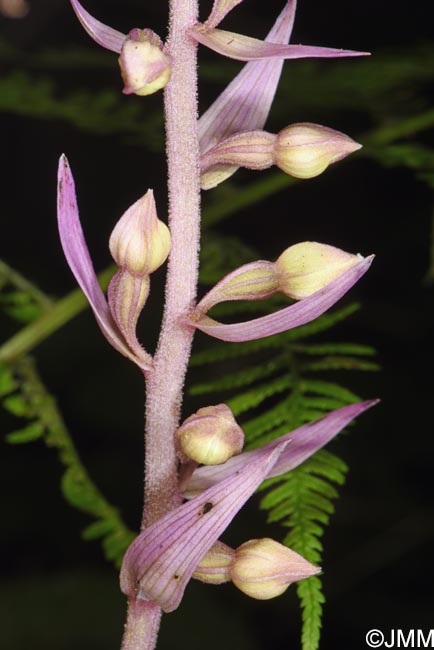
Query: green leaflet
point(29, 433)
point(302, 500)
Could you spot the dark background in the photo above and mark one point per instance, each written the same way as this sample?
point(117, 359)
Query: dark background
point(58, 592)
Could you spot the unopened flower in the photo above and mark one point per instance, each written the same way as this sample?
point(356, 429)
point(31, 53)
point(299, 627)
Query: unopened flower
point(307, 267)
point(284, 319)
point(140, 242)
point(145, 66)
point(211, 435)
point(264, 569)
point(305, 150)
point(213, 568)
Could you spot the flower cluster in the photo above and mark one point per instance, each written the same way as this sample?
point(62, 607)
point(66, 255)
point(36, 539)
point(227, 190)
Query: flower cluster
point(216, 478)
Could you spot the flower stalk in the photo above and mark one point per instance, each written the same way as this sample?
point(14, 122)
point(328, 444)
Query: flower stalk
point(187, 507)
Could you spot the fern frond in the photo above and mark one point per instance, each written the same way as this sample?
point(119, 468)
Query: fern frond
point(252, 398)
point(302, 500)
point(223, 352)
point(245, 377)
point(341, 363)
point(26, 397)
point(330, 389)
point(334, 348)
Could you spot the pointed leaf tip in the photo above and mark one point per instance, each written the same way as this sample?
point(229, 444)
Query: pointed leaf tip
point(104, 35)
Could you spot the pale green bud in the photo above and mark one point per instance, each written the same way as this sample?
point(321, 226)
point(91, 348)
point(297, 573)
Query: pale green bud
point(309, 266)
point(264, 569)
point(211, 435)
point(140, 242)
point(305, 150)
point(145, 67)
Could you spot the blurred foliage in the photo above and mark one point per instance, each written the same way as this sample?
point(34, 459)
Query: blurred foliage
point(23, 394)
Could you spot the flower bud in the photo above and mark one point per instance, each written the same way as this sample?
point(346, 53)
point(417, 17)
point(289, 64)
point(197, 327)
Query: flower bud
point(214, 566)
point(309, 266)
point(305, 150)
point(211, 435)
point(264, 569)
point(140, 242)
point(145, 67)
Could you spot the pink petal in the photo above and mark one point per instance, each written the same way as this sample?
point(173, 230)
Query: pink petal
point(244, 48)
point(305, 441)
point(77, 255)
point(245, 104)
point(220, 9)
point(295, 315)
point(102, 34)
point(161, 560)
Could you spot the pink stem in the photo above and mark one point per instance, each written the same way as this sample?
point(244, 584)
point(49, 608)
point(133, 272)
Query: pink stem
point(165, 381)
point(141, 629)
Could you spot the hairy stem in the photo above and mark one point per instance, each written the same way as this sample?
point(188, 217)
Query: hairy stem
point(166, 380)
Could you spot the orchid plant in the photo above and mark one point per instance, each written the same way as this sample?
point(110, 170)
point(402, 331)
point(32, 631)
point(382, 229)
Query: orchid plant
point(196, 475)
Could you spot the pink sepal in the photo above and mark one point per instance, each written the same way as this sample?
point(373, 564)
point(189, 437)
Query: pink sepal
point(244, 48)
point(77, 255)
point(245, 103)
point(305, 441)
point(287, 318)
point(161, 560)
point(102, 34)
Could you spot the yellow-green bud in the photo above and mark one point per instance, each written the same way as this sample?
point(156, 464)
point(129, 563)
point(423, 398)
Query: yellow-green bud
point(305, 150)
point(145, 67)
point(211, 435)
point(140, 242)
point(214, 566)
point(264, 569)
point(309, 266)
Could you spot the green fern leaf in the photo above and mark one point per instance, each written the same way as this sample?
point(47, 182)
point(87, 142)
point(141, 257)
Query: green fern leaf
point(35, 403)
point(17, 405)
point(252, 398)
point(244, 377)
point(312, 600)
point(335, 348)
point(30, 433)
point(341, 363)
point(302, 500)
point(97, 529)
point(7, 381)
point(328, 388)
